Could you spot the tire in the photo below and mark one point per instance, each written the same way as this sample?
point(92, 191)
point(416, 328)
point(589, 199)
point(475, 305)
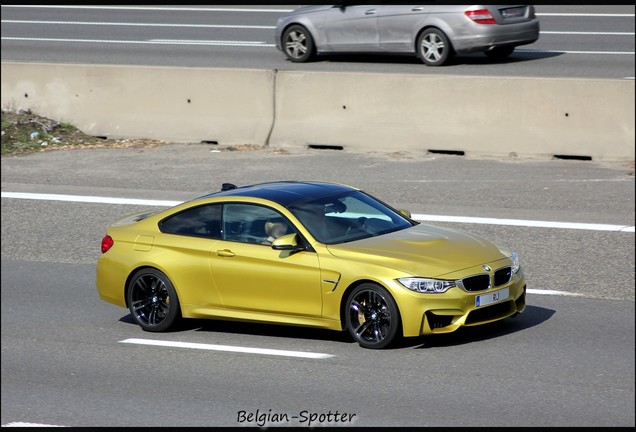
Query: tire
point(298, 44)
point(433, 47)
point(500, 52)
point(371, 316)
point(153, 301)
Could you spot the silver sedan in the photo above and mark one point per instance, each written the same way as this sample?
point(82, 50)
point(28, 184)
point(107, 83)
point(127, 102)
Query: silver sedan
point(434, 33)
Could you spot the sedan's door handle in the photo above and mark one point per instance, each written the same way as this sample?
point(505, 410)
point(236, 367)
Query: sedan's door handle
point(417, 9)
point(225, 253)
point(370, 12)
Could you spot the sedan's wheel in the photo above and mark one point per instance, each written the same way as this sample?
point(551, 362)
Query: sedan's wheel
point(372, 317)
point(500, 52)
point(433, 47)
point(298, 44)
point(152, 300)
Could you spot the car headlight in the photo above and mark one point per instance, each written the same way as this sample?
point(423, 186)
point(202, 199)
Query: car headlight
point(515, 262)
point(424, 285)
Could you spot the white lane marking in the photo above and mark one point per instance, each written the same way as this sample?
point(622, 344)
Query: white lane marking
point(587, 33)
point(150, 42)
point(89, 199)
point(124, 24)
point(419, 217)
point(521, 222)
point(229, 348)
point(229, 9)
point(553, 292)
point(210, 9)
point(260, 27)
point(26, 424)
point(520, 50)
point(586, 14)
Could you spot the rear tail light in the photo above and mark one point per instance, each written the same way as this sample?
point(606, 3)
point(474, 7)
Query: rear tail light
point(481, 16)
point(107, 243)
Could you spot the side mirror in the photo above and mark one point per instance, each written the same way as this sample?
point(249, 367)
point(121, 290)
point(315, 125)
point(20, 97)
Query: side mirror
point(405, 213)
point(287, 242)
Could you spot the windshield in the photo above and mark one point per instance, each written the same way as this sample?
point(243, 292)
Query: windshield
point(347, 217)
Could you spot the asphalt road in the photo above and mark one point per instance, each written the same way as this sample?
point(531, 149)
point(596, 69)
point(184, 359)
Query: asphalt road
point(590, 41)
point(567, 361)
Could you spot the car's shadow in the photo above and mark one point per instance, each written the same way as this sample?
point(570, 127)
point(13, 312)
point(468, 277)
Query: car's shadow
point(519, 56)
point(532, 316)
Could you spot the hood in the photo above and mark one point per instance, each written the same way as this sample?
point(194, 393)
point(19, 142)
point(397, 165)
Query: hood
point(422, 250)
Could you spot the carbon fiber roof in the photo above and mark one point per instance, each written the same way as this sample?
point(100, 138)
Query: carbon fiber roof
point(286, 192)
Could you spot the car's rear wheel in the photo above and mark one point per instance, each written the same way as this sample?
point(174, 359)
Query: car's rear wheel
point(298, 44)
point(433, 47)
point(500, 52)
point(372, 317)
point(153, 301)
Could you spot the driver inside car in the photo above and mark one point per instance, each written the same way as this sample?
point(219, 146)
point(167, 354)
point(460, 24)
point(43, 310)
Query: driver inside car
point(273, 231)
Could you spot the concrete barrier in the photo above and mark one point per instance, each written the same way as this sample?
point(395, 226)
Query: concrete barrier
point(230, 106)
point(484, 115)
point(538, 117)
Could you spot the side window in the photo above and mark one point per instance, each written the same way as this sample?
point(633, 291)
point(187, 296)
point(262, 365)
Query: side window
point(202, 221)
point(247, 223)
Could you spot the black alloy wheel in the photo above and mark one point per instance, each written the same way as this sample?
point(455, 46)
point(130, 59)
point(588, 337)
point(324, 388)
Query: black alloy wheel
point(372, 316)
point(153, 301)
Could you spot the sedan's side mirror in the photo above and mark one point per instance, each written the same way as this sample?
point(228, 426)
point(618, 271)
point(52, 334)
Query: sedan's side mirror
point(287, 242)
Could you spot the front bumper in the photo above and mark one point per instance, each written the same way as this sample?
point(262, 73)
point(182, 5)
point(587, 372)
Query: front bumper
point(426, 314)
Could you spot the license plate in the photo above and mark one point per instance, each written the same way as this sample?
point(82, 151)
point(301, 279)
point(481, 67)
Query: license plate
point(493, 297)
point(513, 12)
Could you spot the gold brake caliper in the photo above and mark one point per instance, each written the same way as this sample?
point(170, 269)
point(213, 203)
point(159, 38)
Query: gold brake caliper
point(361, 318)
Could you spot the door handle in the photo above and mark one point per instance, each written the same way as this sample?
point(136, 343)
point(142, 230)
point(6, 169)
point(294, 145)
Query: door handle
point(225, 253)
point(370, 12)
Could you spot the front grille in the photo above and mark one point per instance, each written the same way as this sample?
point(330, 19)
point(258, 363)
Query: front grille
point(476, 283)
point(502, 276)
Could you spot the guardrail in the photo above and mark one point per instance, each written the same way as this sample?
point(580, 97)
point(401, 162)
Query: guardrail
point(499, 116)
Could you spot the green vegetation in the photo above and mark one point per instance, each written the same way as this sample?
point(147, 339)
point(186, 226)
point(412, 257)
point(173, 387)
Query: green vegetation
point(25, 132)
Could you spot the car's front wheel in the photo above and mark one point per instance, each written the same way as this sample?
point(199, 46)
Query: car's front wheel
point(298, 44)
point(153, 301)
point(433, 47)
point(372, 316)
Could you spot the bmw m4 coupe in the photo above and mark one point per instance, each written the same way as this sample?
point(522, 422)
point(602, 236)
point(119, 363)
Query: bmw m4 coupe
point(314, 254)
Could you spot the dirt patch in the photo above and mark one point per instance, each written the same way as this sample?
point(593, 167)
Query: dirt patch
point(25, 132)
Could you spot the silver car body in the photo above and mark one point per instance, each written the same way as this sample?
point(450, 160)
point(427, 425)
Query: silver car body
point(396, 28)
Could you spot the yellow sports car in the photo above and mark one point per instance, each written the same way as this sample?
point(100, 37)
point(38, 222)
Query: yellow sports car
point(313, 254)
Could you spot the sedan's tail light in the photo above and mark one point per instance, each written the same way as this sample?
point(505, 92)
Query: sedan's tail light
point(107, 243)
point(481, 16)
